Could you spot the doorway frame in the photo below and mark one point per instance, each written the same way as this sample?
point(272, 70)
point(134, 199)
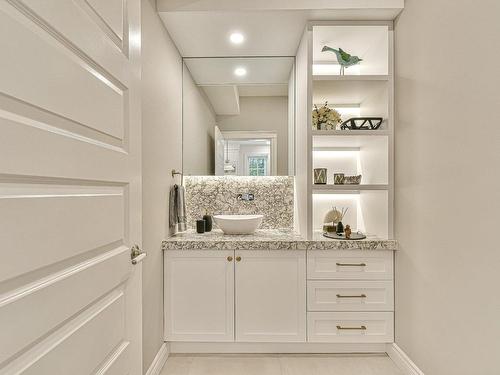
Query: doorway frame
point(244, 134)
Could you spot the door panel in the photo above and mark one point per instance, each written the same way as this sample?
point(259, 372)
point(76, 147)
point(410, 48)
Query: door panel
point(35, 70)
point(44, 137)
point(70, 299)
point(81, 345)
point(199, 295)
point(69, 18)
point(111, 12)
point(118, 362)
point(270, 296)
point(58, 221)
point(86, 281)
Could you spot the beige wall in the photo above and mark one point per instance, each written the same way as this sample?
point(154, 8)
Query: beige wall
point(198, 130)
point(161, 135)
point(448, 185)
point(264, 113)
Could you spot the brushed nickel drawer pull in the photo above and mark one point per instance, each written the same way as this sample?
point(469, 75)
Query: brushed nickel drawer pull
point(351, 296)
point(351, 264)
point(362, 328)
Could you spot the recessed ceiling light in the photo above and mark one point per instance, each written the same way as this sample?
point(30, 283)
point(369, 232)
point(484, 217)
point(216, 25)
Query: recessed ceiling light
point(240, 72)
point(236, 38)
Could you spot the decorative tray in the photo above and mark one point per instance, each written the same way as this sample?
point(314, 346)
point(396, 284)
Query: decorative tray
point(341, 236)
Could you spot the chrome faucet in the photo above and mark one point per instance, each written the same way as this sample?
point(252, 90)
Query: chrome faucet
point(247, 197)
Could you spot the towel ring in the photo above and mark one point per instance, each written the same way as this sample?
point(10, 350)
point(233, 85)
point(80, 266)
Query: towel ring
point(174, 172)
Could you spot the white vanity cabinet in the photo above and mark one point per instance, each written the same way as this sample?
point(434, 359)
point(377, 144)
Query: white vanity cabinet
point(199, 295)
point(270, 296)
point(242, 295)
point(259, 296)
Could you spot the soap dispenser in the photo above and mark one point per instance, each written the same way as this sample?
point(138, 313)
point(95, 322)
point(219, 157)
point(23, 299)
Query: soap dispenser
point(208, 222)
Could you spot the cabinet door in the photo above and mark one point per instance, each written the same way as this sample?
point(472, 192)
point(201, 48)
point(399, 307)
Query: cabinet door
point(270, 296)
point(199, 295)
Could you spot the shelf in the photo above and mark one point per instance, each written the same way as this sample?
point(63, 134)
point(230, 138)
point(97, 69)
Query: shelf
point(368, 42)
point(368, 210)
point(335, 77)
point(326, 189)
point(350, 133)
point(366, 91)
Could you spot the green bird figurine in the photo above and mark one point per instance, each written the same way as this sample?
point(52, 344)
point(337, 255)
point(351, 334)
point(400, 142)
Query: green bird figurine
point(345, 60)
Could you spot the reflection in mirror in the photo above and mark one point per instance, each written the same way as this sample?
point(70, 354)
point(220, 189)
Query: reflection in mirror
point(242, 153)
point(238, 116)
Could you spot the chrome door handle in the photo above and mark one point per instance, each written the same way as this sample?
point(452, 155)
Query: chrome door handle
point(136, 254)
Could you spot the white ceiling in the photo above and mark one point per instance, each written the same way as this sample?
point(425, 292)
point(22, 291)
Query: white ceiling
point(270, 33)
point(374, 6)
point(225, 100)
point(264, 90)
point(220, 71)
point(266, 76)
point(201, 28)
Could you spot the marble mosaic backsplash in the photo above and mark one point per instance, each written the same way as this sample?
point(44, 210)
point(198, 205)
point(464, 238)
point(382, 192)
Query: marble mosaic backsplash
point(218, 195)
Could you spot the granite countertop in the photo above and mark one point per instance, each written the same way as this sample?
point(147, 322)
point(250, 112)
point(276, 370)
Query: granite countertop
point(269, 239)
point(320, 242)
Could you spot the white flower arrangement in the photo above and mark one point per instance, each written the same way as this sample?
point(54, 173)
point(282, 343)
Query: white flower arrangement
point(325, 118)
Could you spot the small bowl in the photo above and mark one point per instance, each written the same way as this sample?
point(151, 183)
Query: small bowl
point(352, 180)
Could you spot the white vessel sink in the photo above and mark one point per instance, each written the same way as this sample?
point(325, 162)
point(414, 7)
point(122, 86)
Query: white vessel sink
point(238, 224)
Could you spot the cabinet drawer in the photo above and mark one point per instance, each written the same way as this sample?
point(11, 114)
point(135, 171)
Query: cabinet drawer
point(350, 327)
point(350, 295)
point(349, 264)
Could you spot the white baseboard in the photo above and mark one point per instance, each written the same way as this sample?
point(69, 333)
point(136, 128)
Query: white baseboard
point(402, 360)
point(159, 360)
point(273, 348)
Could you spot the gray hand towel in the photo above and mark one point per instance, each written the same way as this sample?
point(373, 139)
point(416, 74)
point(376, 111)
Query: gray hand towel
point(177, 209)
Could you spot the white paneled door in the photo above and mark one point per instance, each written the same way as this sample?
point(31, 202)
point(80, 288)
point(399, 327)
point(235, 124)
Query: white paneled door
point(70, 206)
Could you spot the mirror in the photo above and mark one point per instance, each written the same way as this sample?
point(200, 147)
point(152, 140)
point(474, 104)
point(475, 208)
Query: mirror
point(238, 116)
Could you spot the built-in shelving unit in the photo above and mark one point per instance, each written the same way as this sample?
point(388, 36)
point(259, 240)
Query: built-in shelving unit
point(366, 90)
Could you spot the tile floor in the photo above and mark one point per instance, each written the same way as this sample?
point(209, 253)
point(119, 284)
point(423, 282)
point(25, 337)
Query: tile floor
point(291, 364)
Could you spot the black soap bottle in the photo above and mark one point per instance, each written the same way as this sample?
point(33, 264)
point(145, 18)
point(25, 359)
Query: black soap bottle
point(208, 222)
point(340, 227)
point(200, 226)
